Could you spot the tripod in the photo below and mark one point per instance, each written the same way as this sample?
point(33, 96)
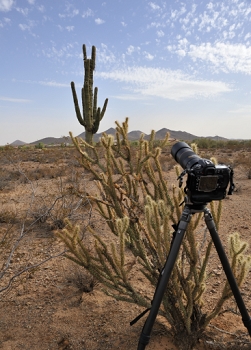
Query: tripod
point(186, 215)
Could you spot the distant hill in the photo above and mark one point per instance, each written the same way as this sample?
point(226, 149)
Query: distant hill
point(179, 135)
point(132, 136)
point(17, 143)
point(216, 138)
point(96, 137)
point(135, 135)
point(52, 140)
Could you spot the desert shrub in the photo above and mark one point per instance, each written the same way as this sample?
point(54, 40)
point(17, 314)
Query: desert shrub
point(8, 214)
point(8, 178)
point(81, 278)
point(167, 162)
point(40, 145)
point(205, 143)
point(134, 143)
point(25, 147)
point(208, 143)
point(8, 148)
point(234, 145)
point(140, 207)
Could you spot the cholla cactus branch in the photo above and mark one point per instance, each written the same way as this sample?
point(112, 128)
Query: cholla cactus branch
point(139, 206)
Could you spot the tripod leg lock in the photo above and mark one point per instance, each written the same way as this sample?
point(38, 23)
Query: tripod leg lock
point(143, 341)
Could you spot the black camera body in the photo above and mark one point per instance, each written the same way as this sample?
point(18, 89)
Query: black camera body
point(206, 181)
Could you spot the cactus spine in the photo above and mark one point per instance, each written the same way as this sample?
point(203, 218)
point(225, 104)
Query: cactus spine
point(91, 115)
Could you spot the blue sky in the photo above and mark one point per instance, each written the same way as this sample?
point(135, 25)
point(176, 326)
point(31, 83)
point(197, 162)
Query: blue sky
point(164, 64)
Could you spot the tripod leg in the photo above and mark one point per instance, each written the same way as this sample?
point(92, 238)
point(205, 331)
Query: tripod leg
point(227, 268)
point(164, 278)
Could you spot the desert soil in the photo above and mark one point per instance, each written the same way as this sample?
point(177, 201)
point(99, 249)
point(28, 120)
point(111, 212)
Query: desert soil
point(55, 306)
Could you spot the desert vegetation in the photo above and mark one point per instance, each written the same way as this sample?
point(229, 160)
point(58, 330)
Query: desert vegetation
point(112, 215)
point(207, 143)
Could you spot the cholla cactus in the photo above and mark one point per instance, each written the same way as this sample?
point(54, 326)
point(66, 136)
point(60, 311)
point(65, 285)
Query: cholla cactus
point(91, 114)
point(140, 207)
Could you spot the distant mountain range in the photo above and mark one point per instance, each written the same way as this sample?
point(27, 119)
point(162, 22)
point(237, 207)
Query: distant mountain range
point(132, 136)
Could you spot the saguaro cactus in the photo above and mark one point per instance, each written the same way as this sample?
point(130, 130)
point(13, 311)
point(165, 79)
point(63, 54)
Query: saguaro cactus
point(91, 115)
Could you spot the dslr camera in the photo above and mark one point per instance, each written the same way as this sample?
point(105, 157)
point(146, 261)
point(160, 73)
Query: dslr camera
point(206, 181)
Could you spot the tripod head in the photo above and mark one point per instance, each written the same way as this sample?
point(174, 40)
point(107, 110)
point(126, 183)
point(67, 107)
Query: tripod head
point(194, 207)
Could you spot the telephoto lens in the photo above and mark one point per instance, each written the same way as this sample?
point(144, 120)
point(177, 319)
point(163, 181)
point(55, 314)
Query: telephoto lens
point(184, 155)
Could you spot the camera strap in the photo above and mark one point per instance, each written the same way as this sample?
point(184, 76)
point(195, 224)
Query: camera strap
point(232, 185)
point(180, 177)
point(139, 316)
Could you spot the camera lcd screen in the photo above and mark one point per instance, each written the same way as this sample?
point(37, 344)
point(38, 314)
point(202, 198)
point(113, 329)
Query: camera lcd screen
point(208, 183)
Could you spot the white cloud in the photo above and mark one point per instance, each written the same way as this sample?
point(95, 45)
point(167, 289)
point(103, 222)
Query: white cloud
point(70, 11)
point(232, 27)
point(41, 8)
point(160, 33)
point(23, 11)
point(24, 27)
point(181, 48)
point(208, 20)
point(183, 42)
point(15, 100)
point(148, 56)
point(31, 2)
point(131, 49)
point(53, 84)
point(6, 5)
point(105, 56)
point(65, 51)
point(28, 26)
point(130, 97)
point(175, 14)
point(228, 16)
point(6, 21)
point(168, 84)
point(99, 21)
point(210, 5)
point(225, 57)
point(154, 6)
point(88, 13)
point(220, 56)
point(247, 36)
point(181, 53)
point(155, 25)
point(70, 28)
